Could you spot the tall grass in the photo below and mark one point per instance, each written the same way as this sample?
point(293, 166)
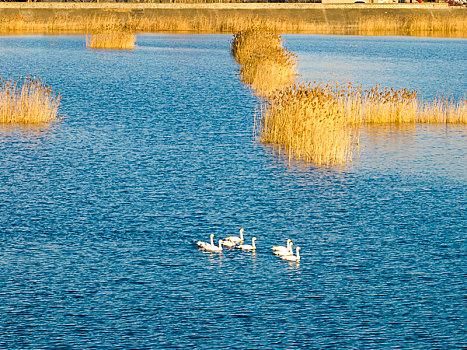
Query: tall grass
point(308, 123)
point(109, 32)
point(118, 39)
point(318, 122)
point(383, 105)
point(198, 23)
point(265, 64)
point(454, 25)
point(424, 25)
point(27, 101)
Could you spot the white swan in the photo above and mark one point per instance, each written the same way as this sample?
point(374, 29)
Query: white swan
point(280, 248)
point(228, 244)
point(292, 257)
point(247, 246)
point(213, 248)
point(236, 239)
point(284, 252)
point(204, 245)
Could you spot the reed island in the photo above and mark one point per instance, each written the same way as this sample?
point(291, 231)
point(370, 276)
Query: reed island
point(318, 122)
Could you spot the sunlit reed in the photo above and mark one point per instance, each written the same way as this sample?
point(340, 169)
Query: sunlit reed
point(381, 105)
point(27, 101)
point(109, 32)
point(314, 121)
point(412, 25)
point(423, 25)
point(264, 63)
point(111, 40)
point(308, 124)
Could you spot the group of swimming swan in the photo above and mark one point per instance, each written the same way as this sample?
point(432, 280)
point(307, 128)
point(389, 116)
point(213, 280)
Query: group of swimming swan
point(285, 253)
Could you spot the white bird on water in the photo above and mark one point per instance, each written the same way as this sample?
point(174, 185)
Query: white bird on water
point(204, 245)
point(284, 252)
point(247, 246)
point(213, 248)
point(236, 239)
point(292, 257)
point(281, 250)
point(228, 244)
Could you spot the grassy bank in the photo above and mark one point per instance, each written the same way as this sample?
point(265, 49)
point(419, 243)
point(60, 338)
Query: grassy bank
point(423, 20)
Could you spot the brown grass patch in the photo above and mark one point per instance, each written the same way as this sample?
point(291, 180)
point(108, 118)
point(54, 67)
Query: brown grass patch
point(318, 122)
point(120, 40)
point(265, 64)
point(308, 123)
point(28, 102)
point(455, 26)
point(423, 25)
point(109, 32)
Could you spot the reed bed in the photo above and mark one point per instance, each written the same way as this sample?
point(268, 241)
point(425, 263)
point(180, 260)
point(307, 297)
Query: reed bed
point(120, 40)
point(318, 122)
point(162, 23)
point(117, 39)
point(27, 101)
point(110, 32)
point(383, 105)
point(424, 25)
point(412, 25)
point(308, 124)
point(265, 64)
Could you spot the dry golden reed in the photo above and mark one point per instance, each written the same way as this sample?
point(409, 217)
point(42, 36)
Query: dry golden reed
point(454, 25)
point(111, 40)
point(31, 102)
point(319, 122)
point(314, 121)
point(308, 123)
point(383, 105)
point(424, 25)
point(143, 24)
point(109, 32)
point(264, 63)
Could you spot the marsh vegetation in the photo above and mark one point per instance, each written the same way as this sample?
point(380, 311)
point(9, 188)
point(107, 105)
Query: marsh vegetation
point(265, 64)
point(108, 32)
point(318, 122)
point(27, 101)
point(214, 22)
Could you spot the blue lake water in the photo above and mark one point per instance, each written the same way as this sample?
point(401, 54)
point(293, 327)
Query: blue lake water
point(100, 211)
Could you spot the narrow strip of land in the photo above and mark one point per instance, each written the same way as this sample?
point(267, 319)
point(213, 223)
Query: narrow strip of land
point(306, 12)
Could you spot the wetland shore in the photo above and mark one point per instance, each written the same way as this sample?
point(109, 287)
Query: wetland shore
point(299, 17)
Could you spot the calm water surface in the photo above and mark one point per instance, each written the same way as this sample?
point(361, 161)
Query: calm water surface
point(100, 211)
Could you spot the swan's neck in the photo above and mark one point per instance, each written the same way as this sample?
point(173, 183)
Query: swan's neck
point(253, 244)
point(212, 240)
point(220, 245)
point(241, 235)
point(298, 254)
point(289, 245)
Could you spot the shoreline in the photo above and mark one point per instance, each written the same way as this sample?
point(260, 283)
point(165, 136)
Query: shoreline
point(379, 19)
point(83, 5)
